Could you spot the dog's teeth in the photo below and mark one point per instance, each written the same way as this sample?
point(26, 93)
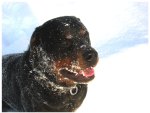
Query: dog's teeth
point(82, 73)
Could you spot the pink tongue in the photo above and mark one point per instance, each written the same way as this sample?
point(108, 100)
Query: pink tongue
point(88, 72)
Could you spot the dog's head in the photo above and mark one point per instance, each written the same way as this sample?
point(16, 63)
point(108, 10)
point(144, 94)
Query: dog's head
point(60, 51)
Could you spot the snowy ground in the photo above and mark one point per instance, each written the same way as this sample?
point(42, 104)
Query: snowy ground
point(121, 84)
point(118, 31)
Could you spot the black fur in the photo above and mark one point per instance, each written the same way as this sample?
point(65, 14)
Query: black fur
point(30, 79)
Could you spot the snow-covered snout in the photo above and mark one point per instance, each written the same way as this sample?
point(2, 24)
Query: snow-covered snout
point(64, 52)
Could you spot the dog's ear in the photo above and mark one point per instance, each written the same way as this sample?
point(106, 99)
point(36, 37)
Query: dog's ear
point(35, 38)
point(34, 47)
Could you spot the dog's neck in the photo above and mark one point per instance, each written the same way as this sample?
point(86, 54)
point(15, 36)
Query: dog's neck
point(45, 82)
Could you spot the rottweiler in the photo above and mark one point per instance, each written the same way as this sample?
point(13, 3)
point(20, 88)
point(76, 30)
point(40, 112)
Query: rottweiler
point(52, 75)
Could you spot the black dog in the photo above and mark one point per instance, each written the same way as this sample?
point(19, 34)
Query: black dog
point(52, 74)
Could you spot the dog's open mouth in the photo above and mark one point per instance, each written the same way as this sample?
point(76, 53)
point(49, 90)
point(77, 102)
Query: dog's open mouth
point(81, 76)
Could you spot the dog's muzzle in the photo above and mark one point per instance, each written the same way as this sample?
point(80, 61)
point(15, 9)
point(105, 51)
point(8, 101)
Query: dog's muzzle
point(89, 55)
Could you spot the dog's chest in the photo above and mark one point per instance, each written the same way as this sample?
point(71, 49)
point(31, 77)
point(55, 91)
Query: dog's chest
point(48, 100)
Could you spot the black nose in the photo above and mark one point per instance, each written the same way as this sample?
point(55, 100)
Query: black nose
point(88, 55)
point(91, 56)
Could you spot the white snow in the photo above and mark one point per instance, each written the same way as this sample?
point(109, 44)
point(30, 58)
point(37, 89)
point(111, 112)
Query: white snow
point(122, 83)
point(66, 24)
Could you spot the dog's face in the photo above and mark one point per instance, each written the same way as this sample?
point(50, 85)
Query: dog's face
point(61, 51)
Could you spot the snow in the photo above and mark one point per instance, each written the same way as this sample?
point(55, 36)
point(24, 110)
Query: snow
point(121, 84)
point(66, 24)
point(118, 31)
point(121, 21)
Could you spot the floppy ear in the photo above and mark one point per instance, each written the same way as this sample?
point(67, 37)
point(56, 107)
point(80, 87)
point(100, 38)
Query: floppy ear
point(35, 39)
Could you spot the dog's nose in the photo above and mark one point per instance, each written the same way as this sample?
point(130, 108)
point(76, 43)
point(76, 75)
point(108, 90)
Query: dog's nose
point(91, 56)
point(88, 55)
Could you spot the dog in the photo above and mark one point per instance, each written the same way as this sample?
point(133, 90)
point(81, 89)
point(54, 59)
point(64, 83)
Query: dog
point(52, 75)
